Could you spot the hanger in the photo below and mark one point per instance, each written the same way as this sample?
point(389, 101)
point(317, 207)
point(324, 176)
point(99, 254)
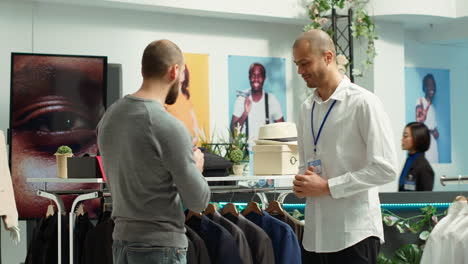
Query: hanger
point(191, 214)
point(80, 210)
point(252, 207)
point(230, 208)
point(211, 209)
point(460, 198)
point(50, 211)
point(274, 207)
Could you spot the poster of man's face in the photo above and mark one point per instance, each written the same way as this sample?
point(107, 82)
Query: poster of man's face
point(55, 100)
point(257, 93)
point(428, 101)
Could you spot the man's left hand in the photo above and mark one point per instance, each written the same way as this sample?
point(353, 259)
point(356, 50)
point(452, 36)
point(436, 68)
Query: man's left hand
point(310, 185)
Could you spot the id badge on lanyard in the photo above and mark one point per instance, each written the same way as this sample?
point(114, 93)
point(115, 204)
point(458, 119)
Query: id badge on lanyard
point(315, 161)
point(410, 183)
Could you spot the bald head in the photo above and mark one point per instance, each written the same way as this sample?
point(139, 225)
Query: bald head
point(319, 41)
point(158, 57)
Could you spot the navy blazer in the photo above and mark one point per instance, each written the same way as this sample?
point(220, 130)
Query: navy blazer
point(221, 246)
point(285, 243)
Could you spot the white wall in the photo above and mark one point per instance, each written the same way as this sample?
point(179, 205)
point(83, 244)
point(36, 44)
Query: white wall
point(455, 59)
point(389, 82)
point(122, 35)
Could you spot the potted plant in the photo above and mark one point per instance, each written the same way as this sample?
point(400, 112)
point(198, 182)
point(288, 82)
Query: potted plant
point(236, 156)
point(237, 152)
point(63, 152)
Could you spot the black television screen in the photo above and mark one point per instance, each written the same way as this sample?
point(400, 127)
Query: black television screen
point(54, 100)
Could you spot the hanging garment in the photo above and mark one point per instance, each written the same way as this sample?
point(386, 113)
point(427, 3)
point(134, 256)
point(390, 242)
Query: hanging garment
point(42, 248)
point(451, 253)
point(260, 243)
point(221, 246)
point(237, 234)
point(82, 226)
point(191, 254)
point(8, 209)
point(199, 253)
point(98, 244)
point(298, 228)
point(433, 253)
point(285, 243)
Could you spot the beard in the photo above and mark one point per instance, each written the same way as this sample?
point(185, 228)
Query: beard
point(173, 93)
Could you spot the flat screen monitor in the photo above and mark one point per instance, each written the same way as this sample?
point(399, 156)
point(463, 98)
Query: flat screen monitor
point(54, 100)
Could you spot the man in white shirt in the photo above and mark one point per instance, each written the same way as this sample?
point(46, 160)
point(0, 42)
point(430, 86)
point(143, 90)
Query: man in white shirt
point(346, 150)
point(255, 107)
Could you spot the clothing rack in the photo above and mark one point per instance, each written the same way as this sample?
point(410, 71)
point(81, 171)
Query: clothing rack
point(259, 191)
point(455, 180)
point(83, 195)
point(92, 194)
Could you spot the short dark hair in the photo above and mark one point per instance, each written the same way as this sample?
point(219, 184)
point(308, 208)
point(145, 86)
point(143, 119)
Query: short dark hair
point(421, 136)
point(158, 57)
point(425, 79)
point(257, 64)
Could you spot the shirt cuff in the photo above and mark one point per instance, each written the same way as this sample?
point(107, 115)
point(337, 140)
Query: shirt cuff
point(337, 186)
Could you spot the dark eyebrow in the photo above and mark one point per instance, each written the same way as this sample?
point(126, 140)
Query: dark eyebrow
point(300, 61)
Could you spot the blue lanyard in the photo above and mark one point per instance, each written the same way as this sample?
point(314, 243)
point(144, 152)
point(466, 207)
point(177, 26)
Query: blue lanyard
point(321, 126)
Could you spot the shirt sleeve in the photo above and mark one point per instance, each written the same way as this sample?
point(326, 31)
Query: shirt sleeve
point(177, 157)
point(376, 131)
point(238, 106)
point(300, 138)
point(274, 107)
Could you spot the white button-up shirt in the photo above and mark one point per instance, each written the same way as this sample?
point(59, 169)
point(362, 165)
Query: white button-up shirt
point(357, 153)
point(438, 247)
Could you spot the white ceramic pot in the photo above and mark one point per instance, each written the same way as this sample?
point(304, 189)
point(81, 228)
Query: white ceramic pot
point(238, 169)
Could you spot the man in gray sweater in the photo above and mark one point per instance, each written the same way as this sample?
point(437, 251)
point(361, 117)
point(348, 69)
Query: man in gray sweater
point(150, 164)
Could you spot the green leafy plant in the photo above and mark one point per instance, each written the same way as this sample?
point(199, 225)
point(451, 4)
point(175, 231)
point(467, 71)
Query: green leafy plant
point(362, 26)
point(236, 156)
point(407, 254)
point(420, 225)
point(64, 150)
point(238, 141)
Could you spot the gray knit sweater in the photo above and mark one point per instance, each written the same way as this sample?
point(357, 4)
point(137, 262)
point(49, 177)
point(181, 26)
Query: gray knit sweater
point(148, 160)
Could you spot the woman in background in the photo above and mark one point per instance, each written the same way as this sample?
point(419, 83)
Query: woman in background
point(183, 109)
point(417, 174)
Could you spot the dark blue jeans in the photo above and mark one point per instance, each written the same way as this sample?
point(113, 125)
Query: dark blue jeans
point(125, 252)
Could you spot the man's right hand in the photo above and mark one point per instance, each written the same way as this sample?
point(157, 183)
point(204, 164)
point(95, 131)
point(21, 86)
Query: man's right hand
point(247, 105)
point(199, 158)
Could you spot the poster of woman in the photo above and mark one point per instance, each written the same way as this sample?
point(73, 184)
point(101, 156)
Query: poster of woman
point(428, 101)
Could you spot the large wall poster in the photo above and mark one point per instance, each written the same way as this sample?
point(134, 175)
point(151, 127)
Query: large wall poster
point(428, 101)
point(55, 100)
point(250, 79)
point(193, 105)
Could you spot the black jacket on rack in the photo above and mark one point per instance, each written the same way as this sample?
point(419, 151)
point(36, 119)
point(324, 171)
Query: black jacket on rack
point(42, 248)
point(97, 247)
point(197, 252)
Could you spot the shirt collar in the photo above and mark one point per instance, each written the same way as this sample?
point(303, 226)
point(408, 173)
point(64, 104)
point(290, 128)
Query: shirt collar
point(339, 93)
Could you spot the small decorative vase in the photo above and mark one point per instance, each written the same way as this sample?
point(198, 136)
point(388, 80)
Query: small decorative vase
point(62, 164)
point(238, 169)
